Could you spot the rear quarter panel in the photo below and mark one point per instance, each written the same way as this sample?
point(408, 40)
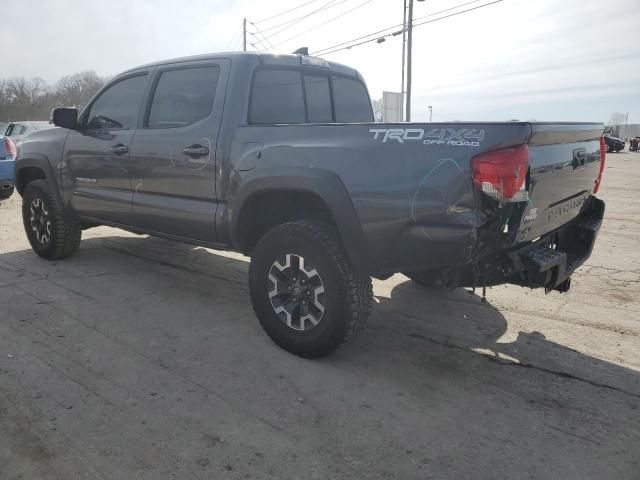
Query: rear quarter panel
point(412, 191)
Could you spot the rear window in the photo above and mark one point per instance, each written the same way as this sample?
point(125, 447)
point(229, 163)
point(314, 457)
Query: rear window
point(277, 97)
point(318, 96)
point(15, 129)
point(183, 97)
point(351, 101)
point(290, 96)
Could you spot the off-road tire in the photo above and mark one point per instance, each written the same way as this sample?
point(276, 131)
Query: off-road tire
point(65, 229)
point(347, 293)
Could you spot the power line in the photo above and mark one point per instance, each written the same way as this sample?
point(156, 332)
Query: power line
point(457, 13)
point(358, 38)
point(266, 40)
point(396, 26)
point(333, 49)
point(287, 25)
point(285, 12)
point(324, 23)
point(301, 17)
point(234, 39)
point(258, 41)
point(455, 7)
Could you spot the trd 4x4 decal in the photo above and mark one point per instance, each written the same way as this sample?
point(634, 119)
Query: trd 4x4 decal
point(464, 137)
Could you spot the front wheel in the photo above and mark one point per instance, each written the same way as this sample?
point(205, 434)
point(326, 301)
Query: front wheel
point(304, 291)
point(52, 232)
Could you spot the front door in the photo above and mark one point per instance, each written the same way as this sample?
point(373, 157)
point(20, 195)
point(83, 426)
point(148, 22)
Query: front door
point(96, 157)
point(173, 156)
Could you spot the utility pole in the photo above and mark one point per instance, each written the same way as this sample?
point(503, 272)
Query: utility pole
point(404, 47)
point(409, 54)
point(244, 34)
point(409, 47)
point(430, 113)
point(626, 125)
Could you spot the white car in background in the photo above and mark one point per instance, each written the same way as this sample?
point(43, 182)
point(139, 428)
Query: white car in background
point(18, 131)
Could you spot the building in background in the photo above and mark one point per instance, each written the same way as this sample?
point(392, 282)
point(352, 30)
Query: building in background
point(392, 110)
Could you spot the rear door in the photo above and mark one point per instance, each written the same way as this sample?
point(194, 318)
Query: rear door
point(97, 178)
point(173, 157)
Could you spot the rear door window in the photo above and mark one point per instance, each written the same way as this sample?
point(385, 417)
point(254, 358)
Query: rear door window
point(318, 97)
point(276, 97)
point(351, 101)
point(183, 97)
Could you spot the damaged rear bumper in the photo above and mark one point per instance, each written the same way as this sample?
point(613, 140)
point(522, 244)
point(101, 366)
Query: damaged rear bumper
point(550, 261)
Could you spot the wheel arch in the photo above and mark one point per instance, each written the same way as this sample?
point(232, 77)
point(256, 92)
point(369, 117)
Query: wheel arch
point(35, 167)
point(325, 191)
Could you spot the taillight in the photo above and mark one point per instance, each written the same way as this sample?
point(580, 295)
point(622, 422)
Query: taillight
point(9, 147)
point(502, 173)
point(603, 149)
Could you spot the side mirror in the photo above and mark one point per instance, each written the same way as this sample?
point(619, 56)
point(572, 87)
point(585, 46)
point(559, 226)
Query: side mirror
point(65, 117)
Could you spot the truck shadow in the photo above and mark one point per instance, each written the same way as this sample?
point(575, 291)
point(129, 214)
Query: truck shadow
point(408, 320)
point(457, 320)
point(437, 377)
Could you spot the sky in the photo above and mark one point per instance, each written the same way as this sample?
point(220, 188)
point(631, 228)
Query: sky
point(573, 60)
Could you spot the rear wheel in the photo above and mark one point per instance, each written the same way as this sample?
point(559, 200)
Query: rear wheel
point(305, 293)
point(52, 232)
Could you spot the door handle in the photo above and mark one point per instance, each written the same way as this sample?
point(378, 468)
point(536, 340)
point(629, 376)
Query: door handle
point(119, 149)
point(195, 151)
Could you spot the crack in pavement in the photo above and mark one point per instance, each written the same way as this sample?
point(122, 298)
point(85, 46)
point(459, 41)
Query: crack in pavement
point(511, 363)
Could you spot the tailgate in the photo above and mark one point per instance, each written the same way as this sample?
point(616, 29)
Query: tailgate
point(564, 163)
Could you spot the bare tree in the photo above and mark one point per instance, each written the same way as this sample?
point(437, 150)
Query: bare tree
point(77, 89)
point(33, 99)
point(16, 90)
point(617, 118)
point(36, 88)
point(378, 110)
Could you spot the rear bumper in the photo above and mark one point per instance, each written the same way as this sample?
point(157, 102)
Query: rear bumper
point(7, 171)
point(551, 261)
point(7, 168)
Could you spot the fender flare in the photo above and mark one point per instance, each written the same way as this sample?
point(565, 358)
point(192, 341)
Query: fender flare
point(322, 183)
point(41, 162)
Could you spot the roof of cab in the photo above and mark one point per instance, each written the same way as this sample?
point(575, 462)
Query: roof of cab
point(264, 58)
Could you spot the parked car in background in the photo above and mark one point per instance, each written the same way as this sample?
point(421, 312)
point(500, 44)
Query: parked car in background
point(614, 144)
point(7, 167)
point(18, 131)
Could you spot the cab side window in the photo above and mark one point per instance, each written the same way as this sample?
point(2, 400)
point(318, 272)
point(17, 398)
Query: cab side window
point(117, 108)
point(277, 97)
point(351, 101)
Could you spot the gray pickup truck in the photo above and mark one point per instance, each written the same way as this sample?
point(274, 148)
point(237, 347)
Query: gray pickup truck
point(278, 157)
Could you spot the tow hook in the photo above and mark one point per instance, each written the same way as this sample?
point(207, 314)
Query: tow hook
point(564, 286)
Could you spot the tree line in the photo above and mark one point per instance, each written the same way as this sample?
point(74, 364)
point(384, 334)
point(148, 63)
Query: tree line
point(33, 98)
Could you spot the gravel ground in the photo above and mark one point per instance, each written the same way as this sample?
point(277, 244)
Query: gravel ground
point(142, 358)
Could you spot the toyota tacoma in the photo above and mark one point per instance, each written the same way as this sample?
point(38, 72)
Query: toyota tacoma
point(278, 157)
